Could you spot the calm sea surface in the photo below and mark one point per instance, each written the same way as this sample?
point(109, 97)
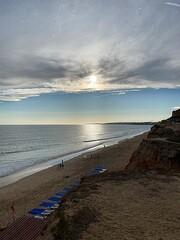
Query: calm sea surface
point(25, 146)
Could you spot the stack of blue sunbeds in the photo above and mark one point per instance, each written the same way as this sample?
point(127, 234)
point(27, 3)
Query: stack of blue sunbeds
point(98, 169)
point(54, 201)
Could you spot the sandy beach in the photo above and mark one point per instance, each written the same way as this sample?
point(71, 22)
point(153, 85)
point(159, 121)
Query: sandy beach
point(28, 192)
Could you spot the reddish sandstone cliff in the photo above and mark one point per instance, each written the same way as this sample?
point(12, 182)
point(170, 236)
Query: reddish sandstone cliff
point(161, 150)
point(155, 154)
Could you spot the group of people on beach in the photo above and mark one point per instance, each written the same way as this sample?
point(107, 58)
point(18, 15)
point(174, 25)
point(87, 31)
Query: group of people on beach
point(61, 165)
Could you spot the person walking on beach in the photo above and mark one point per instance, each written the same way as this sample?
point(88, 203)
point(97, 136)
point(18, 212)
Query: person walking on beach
point(13, 210)
point(61, 164)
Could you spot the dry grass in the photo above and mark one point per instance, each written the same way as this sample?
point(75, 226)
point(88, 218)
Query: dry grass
point(120, 205)
point(72, 224)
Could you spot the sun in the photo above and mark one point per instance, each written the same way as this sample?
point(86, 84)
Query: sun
point(92, 82)
point(93, 79)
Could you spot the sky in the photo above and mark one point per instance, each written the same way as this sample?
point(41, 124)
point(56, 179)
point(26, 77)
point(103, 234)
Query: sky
point(86, 61)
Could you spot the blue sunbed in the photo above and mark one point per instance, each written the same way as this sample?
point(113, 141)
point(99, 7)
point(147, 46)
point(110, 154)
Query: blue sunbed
point(41, 212)
point(49, 205)
point(55, 199)
point(71, 186)
point(77, 182)
point(61, 194)
point(36, 211)
point(102, 166)
point(67, 189)
point(101, 170)
point(96, 170)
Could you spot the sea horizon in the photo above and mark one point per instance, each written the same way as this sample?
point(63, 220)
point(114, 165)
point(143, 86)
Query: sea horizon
point(75, 124)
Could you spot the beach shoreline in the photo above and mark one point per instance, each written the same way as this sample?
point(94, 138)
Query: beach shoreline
point(16, 176)
point(29, 191)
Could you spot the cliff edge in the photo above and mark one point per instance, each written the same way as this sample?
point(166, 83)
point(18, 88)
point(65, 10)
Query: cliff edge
point(161, 149)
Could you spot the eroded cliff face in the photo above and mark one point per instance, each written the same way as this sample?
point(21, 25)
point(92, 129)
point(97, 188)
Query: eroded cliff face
point(161, 131)
point(161, 149)
point(155, 154)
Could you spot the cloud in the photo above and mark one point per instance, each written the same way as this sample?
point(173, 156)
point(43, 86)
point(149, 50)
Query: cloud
point(40, 68)
point(27, 76)
point(19, 94)
point(111, 93)
point(114, 92)
point(173, 4)
point(59, 45)
point(32, 76)
point(110, 67)
point(176, 108)
point(153, 73)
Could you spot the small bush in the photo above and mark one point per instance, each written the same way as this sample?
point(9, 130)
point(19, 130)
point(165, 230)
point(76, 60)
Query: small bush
point(73, 227)
point(81, 220)
point(61, 231)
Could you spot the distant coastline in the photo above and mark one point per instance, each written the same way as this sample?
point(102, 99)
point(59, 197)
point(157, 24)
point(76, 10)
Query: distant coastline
point(79, 124)
point(131, 123)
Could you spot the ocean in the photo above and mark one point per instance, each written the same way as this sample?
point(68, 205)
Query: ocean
point(22, 147)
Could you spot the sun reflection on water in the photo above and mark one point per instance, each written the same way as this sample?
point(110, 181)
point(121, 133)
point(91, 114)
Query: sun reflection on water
point(92, 131)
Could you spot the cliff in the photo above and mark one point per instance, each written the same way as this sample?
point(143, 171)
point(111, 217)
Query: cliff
point(161, 149)
point(176, 114)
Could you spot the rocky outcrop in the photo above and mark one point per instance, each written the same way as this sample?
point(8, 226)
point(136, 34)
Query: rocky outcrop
point(155, 154)
point(160, 131)
point(176, 113)
point(161, 149)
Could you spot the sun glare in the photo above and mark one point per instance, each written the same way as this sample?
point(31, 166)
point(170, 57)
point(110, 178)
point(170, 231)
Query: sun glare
point(93, 79)
point(92, 82)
